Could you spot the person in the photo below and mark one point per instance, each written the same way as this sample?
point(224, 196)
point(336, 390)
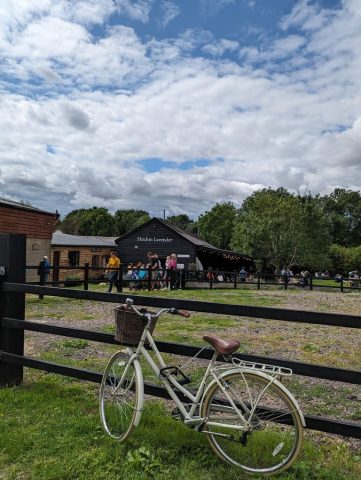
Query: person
point(243, 275)
point(113, 269)
point(44, 266)
point(157, 273)
point(131, 275)
point(142, 275)
point(306, 277)
point(172, 265)
point(167, 272)
point(210, 276)
point(153, 266)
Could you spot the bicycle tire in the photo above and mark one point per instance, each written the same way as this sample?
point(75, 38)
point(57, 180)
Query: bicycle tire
point(275, 432)
point(119, 405)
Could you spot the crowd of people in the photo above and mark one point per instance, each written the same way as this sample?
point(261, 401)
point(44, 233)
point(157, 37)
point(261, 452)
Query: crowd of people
point(162, 276)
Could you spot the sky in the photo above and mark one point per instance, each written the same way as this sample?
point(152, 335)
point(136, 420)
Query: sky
point(177, 105)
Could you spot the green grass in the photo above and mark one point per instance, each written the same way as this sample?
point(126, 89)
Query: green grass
point(50, 430)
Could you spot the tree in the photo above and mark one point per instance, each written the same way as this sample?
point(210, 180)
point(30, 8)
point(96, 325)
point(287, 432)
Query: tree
point(216, 226)
point(343, 210)
point(280, 229)
point(183, 221)
point(89, 221)
point(126, 220)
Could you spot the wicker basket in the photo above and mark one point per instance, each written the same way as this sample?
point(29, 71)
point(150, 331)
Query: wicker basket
point(129, 326)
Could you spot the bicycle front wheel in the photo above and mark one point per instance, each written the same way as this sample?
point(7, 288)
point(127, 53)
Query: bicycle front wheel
point(268, 438)
point(119, 399)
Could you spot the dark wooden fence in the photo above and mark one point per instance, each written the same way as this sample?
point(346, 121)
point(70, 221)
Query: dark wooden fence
point(13, 325)
point(194, 279)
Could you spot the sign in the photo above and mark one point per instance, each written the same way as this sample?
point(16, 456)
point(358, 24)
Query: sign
point(155, 239)
point(183, 255)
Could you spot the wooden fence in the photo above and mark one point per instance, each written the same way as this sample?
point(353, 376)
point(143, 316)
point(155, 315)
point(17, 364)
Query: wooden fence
point(194, 279)
point(13, 325)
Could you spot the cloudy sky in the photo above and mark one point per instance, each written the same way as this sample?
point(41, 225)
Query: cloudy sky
point(177, 104)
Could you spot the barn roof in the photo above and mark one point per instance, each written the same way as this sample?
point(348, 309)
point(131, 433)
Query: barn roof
point(6, 202)
point(188, 236)
point(64, 239)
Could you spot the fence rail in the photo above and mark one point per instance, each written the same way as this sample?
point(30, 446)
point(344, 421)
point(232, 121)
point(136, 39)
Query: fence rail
point(192, 279)
point(11, 324)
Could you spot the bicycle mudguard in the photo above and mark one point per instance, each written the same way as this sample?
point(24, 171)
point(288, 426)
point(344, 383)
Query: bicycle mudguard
point(265, 376)
point(139, 373)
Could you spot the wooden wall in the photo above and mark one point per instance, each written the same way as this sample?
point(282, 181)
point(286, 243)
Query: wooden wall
point(28, 222)
point(85, 256)
point(157, 238)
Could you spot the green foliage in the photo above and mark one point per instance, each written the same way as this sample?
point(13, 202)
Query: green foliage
point(144, 460)
point(216, 226)
point(184, 222)
point(343, 211)
point(279, 229)
point(126, 220)
point(88, 221)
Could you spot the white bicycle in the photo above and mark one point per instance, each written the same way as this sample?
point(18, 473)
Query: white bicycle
point(249, 417)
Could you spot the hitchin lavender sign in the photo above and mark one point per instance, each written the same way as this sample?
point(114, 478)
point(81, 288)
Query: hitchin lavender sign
point(155, 239)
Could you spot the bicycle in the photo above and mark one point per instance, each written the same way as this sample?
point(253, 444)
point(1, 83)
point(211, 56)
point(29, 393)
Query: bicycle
point(249, 417)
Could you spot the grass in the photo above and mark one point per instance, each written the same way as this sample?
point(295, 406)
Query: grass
point(50, 428)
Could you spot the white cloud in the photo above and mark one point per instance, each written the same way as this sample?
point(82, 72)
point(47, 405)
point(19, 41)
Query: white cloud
point(289, 114)
point(218, 48)
point(170, 12)
point(135, 9)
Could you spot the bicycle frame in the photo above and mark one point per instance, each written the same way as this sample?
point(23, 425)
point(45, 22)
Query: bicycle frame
point(169, 381)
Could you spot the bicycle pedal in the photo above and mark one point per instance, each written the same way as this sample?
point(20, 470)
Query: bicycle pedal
point(176, 414)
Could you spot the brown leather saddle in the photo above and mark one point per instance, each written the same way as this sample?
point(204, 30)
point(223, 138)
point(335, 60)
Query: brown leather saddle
point(222, 345)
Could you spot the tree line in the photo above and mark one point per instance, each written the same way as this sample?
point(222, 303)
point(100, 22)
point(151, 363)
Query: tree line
point(274, 226)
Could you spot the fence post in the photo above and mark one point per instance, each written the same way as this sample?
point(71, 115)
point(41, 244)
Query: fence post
point(42, 276)
point(341, 285)
point(120, 279)
point(86, 276)
point(182, 281)
point(258, 280)
point(285, 277)
point(12, 261)
point(311, 282)
point(235, 280)
point(149, 279)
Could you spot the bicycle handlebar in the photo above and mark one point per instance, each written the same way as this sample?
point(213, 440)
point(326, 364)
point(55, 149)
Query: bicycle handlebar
point(173, 311)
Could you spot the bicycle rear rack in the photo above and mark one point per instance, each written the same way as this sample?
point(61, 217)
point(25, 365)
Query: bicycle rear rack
point(261, 367)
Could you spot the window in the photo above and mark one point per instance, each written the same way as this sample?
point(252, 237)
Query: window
point(73, 257)
point(95, 260)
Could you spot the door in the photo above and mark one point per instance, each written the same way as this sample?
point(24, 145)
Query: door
point(56, 263)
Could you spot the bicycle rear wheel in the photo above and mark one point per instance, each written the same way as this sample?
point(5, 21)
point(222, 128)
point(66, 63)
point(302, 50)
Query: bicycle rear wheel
point(119, 401)
point(273, 438)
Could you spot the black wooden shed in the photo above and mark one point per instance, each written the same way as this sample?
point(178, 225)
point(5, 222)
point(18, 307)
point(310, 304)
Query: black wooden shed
point(163, 238)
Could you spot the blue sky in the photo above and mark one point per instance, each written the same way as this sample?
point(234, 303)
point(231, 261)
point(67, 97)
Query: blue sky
point(177, 105)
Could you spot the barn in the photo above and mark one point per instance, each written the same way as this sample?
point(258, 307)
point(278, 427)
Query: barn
point(77, 250)
point(163, 238)
point(38, 226)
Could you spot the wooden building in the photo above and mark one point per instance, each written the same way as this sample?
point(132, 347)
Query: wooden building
point(38, 226)
point(77, 250)
point(163, 238)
